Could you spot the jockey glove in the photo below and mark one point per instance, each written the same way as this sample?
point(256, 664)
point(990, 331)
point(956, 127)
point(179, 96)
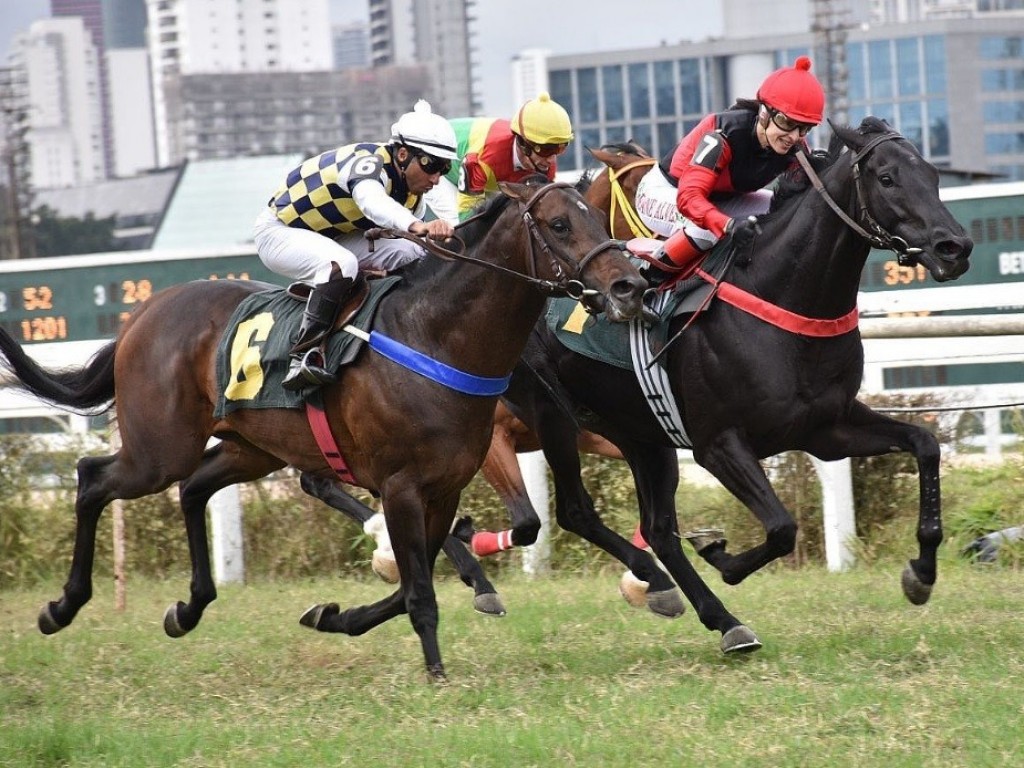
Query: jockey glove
point(743, 231)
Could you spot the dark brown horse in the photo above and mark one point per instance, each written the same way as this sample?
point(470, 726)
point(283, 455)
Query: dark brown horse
point(774, 364)
point(611, 190)
point(403, 435)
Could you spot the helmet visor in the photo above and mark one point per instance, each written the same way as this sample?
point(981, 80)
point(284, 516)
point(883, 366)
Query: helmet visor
point(431, 164)
point(544, 150)
point(787, 124)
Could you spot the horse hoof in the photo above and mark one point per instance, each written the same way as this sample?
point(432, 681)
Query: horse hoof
point(917, 591)
point(171, 625)
point(668, 603)
point(47, 624)
point(702, 538)
point(384, 565)
point(489, 604)
point(740, 639)
point(633, 590)
point(316, 614)
point(436, 674)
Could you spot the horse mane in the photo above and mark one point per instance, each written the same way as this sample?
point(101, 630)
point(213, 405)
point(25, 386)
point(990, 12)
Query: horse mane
point(794, 181)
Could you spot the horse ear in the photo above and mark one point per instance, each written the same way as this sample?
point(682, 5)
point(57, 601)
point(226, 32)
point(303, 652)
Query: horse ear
point(515, 191)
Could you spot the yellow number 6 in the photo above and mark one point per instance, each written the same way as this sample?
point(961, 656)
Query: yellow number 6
point(246, 372)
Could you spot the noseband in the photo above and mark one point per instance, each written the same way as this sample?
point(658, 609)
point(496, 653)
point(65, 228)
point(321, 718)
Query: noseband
point(877, 236)
point(565, 283)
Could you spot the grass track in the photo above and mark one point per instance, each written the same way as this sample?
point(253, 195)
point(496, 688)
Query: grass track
point(851, 675)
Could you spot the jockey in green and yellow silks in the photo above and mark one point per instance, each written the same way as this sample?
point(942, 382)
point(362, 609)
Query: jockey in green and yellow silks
point(492, 150)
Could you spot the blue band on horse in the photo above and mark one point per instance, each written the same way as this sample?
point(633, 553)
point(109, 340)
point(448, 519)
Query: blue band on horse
point(453, 378)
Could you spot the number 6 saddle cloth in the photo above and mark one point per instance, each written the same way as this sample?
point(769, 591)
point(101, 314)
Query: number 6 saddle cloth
point(252, 357)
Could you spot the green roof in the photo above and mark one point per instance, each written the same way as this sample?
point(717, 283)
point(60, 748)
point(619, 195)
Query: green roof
point(216, 202)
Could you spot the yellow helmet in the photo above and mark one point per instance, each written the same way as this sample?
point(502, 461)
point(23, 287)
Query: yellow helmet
point(543, 121)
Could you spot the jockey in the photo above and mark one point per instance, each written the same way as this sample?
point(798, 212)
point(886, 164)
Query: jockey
point(492, 150)
point(729, 157)
point(313, 227)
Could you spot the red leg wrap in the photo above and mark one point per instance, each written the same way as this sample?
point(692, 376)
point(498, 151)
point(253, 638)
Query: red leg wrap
point(487, 543)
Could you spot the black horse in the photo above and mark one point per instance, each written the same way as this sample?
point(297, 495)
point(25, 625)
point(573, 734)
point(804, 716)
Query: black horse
point(773, 364)
point(413, 423)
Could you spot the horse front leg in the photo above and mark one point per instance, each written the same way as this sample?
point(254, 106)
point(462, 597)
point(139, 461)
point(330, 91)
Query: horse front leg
point(656, 473)
point(731, 460)
point(867, 433)
point(418, 535)
point(331, 493)
point(502, 472)
point(575, 512)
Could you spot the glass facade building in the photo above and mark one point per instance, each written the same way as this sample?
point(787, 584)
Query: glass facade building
point(955, 87)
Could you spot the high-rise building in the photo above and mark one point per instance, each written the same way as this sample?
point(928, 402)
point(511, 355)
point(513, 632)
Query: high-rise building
point(193, 37)
point(65, 119)
point(351, 44)
point(434, 33)
point(953, 86)
point(91, 14)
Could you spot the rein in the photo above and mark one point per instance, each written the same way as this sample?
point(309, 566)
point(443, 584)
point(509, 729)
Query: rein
point(563, 285)
point(878, 237)
point(620, 201)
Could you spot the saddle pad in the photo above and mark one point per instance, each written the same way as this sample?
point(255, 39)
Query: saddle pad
point(252, 357)
point(597, 337)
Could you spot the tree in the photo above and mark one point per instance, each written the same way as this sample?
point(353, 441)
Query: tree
point(57, 235)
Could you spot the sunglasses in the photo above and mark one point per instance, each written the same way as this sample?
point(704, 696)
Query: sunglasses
point(787, 124)
point(545, 150)
point(432, 165)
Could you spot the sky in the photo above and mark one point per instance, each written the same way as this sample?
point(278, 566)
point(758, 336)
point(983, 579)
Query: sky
point(503, 29)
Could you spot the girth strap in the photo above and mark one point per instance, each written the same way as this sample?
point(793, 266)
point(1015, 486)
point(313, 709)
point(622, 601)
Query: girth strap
point(325, 439)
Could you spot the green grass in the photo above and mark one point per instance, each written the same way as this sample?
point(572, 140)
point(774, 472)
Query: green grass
point(850, 675)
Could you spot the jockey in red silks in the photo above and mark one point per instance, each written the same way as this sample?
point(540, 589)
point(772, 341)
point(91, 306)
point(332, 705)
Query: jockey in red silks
point(714, 179)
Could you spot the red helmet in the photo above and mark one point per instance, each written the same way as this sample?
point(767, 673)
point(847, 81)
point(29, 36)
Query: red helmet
point(795, 92)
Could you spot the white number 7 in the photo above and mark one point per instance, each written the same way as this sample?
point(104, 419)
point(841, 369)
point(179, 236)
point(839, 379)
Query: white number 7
point(708, 143)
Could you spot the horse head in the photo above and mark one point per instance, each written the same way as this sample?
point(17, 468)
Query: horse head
point(567, 247)
point(897, 201)
point(615, 190)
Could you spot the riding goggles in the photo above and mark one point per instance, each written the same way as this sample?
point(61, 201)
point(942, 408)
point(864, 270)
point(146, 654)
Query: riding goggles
point(544, 150)
point(432, 165)
point(786, 124)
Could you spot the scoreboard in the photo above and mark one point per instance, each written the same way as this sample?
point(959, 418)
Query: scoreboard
point(83, 298)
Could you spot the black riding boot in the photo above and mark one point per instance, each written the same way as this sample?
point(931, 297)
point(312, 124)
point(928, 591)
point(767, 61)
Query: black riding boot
point(307, 366)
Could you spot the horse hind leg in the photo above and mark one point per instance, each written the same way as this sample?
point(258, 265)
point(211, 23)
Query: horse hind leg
point(222, 465)
point(95, 491)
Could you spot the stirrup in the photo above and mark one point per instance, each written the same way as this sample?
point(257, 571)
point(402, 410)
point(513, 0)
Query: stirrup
point(648, 314)
point(307, 371)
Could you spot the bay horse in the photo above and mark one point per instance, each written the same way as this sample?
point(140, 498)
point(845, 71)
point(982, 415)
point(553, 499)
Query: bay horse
point(774, 363)
point(404, 436)
point(611, 190)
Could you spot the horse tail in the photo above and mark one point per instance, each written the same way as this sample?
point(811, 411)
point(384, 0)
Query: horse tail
point(77, 388)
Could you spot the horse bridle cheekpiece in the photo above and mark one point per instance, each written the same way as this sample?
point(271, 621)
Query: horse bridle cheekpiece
point(563, 285)
point(906, 255)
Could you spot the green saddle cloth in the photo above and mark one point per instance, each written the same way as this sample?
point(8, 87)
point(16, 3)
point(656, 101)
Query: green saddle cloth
point(601, 339)
point(597, 337)
point(252, 357)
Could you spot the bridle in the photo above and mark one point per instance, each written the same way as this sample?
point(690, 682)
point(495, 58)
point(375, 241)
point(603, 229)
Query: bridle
point(568, 273)
point(618, 199)
point(872, 231)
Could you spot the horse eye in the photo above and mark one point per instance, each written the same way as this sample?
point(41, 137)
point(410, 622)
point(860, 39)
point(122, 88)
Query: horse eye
point(886, 180)
point(560, 225)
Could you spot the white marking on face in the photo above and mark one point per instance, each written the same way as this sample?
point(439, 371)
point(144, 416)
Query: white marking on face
point(581, 205)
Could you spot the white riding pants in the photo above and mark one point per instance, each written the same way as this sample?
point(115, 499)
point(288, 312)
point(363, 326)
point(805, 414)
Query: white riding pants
point(656, 205)
point(304, 255)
